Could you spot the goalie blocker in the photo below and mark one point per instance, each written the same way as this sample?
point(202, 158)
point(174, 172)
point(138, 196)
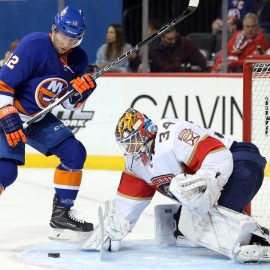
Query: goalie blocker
point(225, 231)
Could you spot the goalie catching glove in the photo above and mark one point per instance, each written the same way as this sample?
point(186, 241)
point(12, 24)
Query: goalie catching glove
point(84, 87)
point(116, 227)
point(198, 192)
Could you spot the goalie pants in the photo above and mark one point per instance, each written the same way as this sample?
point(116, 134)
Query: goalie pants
point(50, 137)
point(246, 178)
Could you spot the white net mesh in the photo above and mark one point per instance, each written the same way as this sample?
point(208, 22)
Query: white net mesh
point(260, 135)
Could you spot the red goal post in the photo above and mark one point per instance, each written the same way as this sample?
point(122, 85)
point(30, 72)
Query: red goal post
point(256, 125)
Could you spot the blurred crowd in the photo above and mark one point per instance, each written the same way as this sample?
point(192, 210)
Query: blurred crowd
point(248, 32)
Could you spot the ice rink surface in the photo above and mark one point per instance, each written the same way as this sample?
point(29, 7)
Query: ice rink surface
point(25, 210)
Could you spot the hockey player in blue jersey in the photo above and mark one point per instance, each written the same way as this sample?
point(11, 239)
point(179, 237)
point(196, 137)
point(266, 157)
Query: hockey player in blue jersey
point(42, 66)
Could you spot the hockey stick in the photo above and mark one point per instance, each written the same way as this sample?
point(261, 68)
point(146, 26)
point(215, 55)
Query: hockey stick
point(101, 227)
point(193, 4)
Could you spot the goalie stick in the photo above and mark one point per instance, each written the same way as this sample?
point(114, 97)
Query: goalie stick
point(193, 4)
point(101, 227)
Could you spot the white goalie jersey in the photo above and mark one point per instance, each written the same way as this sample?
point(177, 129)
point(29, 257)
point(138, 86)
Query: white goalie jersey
point(179, 147)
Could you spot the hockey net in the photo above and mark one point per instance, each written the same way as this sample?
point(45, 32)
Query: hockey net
point(256, 126)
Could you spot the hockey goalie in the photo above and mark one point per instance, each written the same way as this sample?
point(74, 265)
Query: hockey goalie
point(210, 178)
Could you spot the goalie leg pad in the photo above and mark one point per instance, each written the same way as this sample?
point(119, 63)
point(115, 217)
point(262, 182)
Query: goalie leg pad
point(252, 253)
point(166, 225)
point(221, 230)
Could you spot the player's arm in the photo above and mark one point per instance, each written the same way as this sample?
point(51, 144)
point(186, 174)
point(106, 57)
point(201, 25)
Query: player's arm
point(133, 196)
point(122, 213)
point(16, 69)
point(10, 120)
point(199, 192)
point(209, 164)
point(9, 116)
point(12, 125)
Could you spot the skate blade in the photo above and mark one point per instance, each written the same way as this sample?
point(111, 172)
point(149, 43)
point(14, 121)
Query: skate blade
point(68, 235)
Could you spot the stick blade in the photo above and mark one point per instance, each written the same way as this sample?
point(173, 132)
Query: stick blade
point(194, 3)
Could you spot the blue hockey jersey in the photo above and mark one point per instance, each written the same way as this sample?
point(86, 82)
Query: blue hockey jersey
point(35, 73)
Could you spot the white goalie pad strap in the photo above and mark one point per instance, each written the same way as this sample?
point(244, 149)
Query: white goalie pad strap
point(222, 230)
point(116, 227)
point(198, 192)
point(165, 226)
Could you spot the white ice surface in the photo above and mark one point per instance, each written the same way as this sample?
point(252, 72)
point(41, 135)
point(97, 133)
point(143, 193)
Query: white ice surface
point(25, 210)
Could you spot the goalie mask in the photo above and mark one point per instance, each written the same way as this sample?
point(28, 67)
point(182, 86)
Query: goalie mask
point(71, 23)
point(135, 134)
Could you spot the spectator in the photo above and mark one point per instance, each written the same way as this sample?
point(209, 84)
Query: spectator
point(174, 53)
point(237, 9)
point(114, 48)
point(13, 46)
point(249, 41)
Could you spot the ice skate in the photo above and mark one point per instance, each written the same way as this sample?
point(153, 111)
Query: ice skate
point(66, 226)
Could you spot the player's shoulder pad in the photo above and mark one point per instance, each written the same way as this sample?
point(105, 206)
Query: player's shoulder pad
point(36, 38)
point(169, 125)
point(38, 43)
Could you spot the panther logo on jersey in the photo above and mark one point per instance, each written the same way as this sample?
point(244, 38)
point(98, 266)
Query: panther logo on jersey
point(162, 183)
point(188, 136)
point(47, 89)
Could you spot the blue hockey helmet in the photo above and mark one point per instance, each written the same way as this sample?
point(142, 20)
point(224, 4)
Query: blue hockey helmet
point(70, 22)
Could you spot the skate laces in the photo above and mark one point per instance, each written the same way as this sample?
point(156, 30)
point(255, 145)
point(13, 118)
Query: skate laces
point(73, 214)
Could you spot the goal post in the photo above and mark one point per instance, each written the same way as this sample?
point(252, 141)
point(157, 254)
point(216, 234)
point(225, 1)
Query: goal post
point(256, 125)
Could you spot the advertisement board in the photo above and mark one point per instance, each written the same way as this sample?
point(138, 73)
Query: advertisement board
point(211, 102)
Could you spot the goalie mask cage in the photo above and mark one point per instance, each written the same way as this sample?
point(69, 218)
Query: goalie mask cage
point(256, 126)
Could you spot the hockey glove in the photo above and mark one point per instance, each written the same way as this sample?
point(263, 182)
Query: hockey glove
point(198, 192)
point(12, 125)
point(116, 227)
point(84, 87)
